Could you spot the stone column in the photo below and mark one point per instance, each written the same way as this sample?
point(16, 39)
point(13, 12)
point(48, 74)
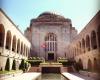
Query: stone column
point(4, 41)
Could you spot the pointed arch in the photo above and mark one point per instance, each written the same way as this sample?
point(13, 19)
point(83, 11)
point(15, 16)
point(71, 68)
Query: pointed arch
point(14, 43)
point(80, 64)
point(50, 41)
point(18, 46)
point(87, 42)
point(93, 40)
point(8, 40)
point(83, 45)
point(98, 34)
point(2, 34)
point(21, 47)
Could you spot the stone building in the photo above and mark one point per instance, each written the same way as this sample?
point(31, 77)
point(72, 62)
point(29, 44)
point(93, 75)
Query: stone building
point(49, 34)
point(13, 44)
point(85, 47)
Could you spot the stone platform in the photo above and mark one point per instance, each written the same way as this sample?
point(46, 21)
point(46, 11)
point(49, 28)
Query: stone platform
point(50, 67)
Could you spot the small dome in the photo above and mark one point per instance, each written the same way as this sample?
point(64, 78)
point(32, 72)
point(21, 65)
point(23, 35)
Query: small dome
point(45, 13)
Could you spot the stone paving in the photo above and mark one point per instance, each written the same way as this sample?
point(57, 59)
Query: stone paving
point(37, 75)
point(76, 76)
point(83, 76)
point(25, 76)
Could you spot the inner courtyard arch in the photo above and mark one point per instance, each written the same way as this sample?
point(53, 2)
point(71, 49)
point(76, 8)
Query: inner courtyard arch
point(93, 40)
point(2, 34)
point(8, 40)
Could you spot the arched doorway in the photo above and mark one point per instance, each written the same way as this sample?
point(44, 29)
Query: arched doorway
point(89, 65)
point(51, 46)
point(95, 65)
point(2, 33)
point(80, 64)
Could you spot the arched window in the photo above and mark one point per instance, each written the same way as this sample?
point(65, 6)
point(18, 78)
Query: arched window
point(2, 34)
point(93, 40)
point(8, 40)
point(98, 33)
point(14, 43)
point(51, 46)
point(51, 42)
point(83, 45)
point(18, 46)
point(87, 43)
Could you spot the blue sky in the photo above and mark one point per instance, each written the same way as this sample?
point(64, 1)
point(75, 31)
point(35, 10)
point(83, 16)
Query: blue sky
point(22, 11)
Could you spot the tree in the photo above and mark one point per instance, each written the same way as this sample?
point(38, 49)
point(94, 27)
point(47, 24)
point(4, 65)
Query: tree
point(22, 65)
point(7, 66)
point(14, 65)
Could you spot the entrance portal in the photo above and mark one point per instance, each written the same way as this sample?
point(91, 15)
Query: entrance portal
point(50, 56)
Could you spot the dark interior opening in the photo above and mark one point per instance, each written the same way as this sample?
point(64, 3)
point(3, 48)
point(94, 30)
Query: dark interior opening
point(50, 56)
point(50, 69)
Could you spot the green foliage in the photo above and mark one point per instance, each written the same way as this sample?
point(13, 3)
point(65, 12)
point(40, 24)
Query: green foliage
point(26, 65)
point(35, 62)
point(7, 66)
point(10, 72)
point(14, 65)
point(35, 58)
point(64, 61)
point(22, 65)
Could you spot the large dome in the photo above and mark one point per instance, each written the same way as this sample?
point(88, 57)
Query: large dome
point(51, 19)
point(50, 15)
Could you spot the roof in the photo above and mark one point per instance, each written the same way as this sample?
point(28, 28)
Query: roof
point(50, 17)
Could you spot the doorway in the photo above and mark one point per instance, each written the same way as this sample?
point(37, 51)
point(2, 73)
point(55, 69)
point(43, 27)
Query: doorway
point(50, 56)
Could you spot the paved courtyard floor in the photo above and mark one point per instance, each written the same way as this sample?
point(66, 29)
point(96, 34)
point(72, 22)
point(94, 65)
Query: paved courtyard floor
point(76, 76)
point(25, 76)
point(52, 76)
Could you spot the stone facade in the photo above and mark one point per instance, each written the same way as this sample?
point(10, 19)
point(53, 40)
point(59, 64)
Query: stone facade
point(13, 44)
point(49, 34)
point(85, 47)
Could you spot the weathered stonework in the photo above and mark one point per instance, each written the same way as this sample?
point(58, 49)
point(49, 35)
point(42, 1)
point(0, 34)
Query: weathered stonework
point(85, 47)
point(47, 23)
point(13, 44)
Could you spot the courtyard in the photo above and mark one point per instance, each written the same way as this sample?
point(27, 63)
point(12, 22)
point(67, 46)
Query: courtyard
point(49, 40)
